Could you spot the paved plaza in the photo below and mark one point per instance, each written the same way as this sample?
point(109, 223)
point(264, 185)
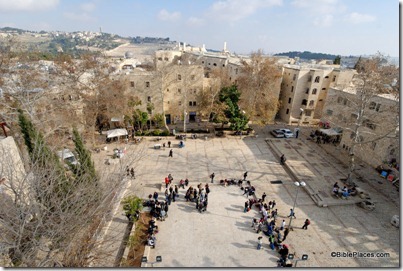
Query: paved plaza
point(223, 237)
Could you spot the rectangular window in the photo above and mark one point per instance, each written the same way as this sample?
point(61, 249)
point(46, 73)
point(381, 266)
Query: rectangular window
point(190, 103)
point(307, 91)
point(179, 90)
point(289, 100)
point(149, 98)
point(194, 103)
point(292, 88)
point(147, 84)
point(288, 110)
point(132, 84)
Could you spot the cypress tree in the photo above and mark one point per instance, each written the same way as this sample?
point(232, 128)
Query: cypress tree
point(85, 169)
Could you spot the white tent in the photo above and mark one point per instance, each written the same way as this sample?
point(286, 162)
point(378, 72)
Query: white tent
point(116, 133)
point(330, 132)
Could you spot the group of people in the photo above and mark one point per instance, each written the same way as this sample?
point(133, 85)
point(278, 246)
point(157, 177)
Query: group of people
point(344, 192)
point(198, 195)
point(130, 172)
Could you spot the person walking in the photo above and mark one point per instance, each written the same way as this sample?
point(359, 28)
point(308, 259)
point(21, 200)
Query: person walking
point(296, 133)
point(286, 232)
point(132, 173)
point(259, 242)
point(306, 224)
point(273, 204)
point(171, 153)
point(169, 144)
point(282, 159)
point(292, 213)
point(212, 177)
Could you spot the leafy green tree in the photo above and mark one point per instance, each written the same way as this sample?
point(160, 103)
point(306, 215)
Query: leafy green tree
point(230, 97)
point(159, 120)
point(132, 205)
point(337, 60)
point(85, 169)
point(140, 118)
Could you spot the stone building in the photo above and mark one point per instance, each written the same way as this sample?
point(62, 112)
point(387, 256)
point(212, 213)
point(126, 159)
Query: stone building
point(379, 133)
point(304, 90)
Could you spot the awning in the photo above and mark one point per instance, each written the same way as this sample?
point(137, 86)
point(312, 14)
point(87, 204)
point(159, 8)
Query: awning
point(116, 133)
point(330, 132)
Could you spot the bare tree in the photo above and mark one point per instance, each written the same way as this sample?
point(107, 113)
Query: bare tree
point(259, 84)
point(369, 110)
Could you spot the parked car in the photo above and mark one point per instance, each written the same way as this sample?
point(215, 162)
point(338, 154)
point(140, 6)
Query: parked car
point(287, 133)
point(67, 157)
point(277, 133)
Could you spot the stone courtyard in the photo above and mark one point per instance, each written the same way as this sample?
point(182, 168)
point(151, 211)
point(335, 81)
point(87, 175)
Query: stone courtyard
point(223, 237)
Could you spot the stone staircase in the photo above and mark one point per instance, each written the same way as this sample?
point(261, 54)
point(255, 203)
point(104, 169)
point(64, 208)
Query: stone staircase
point(313, 190)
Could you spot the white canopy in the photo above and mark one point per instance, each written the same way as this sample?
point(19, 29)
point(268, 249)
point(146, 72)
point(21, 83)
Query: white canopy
point(116, 132)
point(330, 132)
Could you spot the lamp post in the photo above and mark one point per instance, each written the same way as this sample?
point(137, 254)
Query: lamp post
point(158, 259)
point(184, 121)
point(298, 184)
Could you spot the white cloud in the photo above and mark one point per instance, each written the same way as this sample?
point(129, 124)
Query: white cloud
point(82, 17)
point(164, 15)
point(27, 5)
point(195, 21)
point(88, 7)
point(319, 6)
point(357, 18)
point(324, 21)
point(234, 10)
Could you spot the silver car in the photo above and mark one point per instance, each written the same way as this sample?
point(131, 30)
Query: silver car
point(277, 133)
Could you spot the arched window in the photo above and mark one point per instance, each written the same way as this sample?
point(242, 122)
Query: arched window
point(311, 102)
point(317, 79)
point(304, 102)
point(307, 91)
point(314, 91)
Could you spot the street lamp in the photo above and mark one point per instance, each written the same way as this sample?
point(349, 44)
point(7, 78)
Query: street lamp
point(298, 184)
point(303, 258)
point(300, 116)
point(158, 259)
point(184, 121)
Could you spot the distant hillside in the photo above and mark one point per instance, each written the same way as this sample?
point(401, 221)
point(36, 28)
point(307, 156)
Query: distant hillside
point(307, 55)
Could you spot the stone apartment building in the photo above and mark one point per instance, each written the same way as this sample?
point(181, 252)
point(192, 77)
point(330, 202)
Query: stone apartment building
point(304, 90)
point(379, 133)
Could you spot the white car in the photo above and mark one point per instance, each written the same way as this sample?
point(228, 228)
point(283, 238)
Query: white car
point(287, 133)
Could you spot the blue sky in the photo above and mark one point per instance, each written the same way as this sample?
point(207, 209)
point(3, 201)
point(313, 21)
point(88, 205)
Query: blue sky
point(346, 27)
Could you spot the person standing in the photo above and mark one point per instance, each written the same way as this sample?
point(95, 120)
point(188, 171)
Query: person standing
point(259, 242)
point(173, 196)
point(132, 173)
point(273, 204)
point(176, 190)
point(155, 196)
point(246, 207)
point(296, 133)
point(245, 175)
point(286, 232)
point(212, 177)
point(264, 196)
point(171, 153)
point(169, 144)
point(282, 225)
point(306, 224)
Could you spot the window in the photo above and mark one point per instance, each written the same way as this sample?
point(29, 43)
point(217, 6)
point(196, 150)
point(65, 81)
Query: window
point(308, 113)
point(311, 102)
point(179, 90)
point(289, 100)
point(292, 88)
point(147, 84)
point(309, 78)
point(372, 105)
point(377, 107)
point(167, 89)
point(288, 110)
point(194, 103)
point(317, 79)
point(190, 103)
point(334, 78)
point(179, 77)
point(326, 76)
point(132, 84)
point(307, 91)
point(180, 103)
point(294, 77)
point(160, 58)
point(323, 88)
point(339, 100)
point(149, 98)
point(329, 112)
point(304, 102)
point(373, 145)
point(345, 101)
point(314, 91)
point(215, 64)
